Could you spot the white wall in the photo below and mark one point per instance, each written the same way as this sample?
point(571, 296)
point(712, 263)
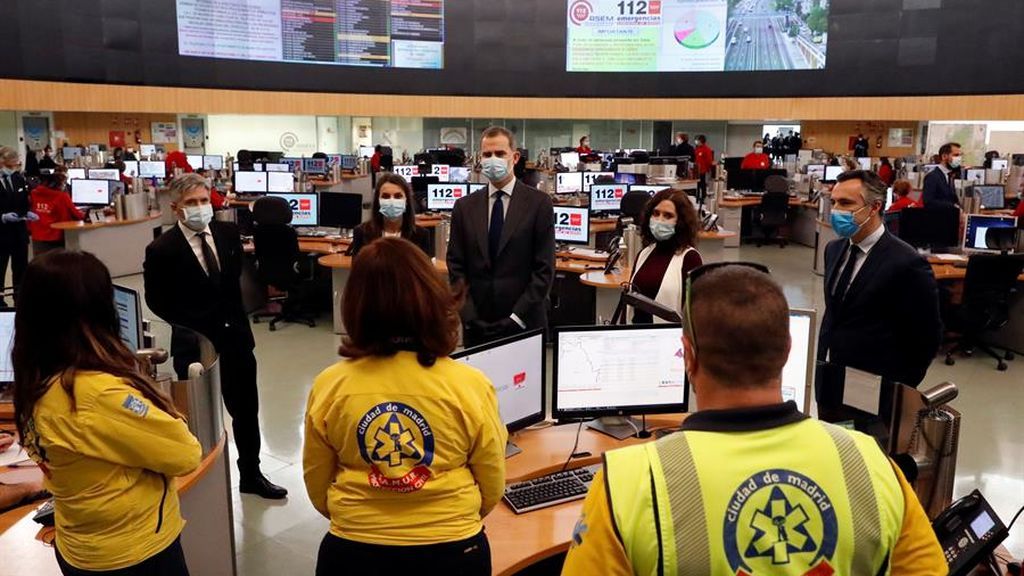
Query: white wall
point(327, 136)
point(740, 138)
point(293, 135)
point(404, 135)
point(9, 129)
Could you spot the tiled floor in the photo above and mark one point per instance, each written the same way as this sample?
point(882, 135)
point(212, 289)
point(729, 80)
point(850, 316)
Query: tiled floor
point(282, 538)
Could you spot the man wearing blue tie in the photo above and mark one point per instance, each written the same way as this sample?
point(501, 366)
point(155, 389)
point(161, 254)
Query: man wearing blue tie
point(502, 246)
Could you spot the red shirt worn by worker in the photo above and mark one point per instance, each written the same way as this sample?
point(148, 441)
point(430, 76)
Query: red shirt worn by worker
point(52, 206)
point(1019, 212)
point(755, 161)
point(375, 161)
point(904, 202)
point(705, 158)
point(584, 150)
point(886, 174)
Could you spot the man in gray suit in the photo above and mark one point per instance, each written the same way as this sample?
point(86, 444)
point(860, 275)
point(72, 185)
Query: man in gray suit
point(502, 246)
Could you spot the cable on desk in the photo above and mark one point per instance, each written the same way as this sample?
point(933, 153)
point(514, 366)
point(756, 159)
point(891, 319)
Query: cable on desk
point(574, 446)
point(1015, 516)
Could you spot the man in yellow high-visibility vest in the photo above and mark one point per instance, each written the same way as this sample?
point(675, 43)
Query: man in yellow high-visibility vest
point(749, 486)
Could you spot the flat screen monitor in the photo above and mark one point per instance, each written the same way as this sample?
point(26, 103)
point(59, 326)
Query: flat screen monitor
point(864, 163)
point(832, 173)
point(936, 227)
point(131, 168)
point(275, 167)
point(280, 182)
point(195, 161)
point(991, 197)
point(592, 178)
point(333, 160)
point(798, 373)
point(366, 151)
point(294, 164)
point(147, 150)
point(152, 169)
point(477, 187)
point(213, 162)
point(652, 190)
point(419, 185)
point(6, 344)
point(568, 182)
point(442, 197)
point(340, 210)
point(572, 225)
point(104, 174)
point(627, 178)
point(90, 192)
point(997, 163)
point(570, 160)
point(607, 197)
point(314, 165)
point(515, 367)
point(129, 314)
point(305, 209)
point(974, 176)
point(441, 171)
point(816, 171)
point(76, 174)
point(406, 171)
point(458, 174)
point(980, 232)
point(70, 153)
point(618, 370)
point(250, 182)
point(349, 162)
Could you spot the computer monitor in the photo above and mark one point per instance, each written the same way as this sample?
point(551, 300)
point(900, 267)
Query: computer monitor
point(888, 197)
point(572, 225)
point(250, 182)
point(618, 370)
point(832, 173)
point(129, 313)
point(407, 171)
point(349, 162)
point(441, 171)
point(974, 176)
point(275, 167)
point(90, 192)
point(131, 168)
point(516, 368)
point(419, 187)
point(314, 165)
point(798, 373)
point(195, 161)
point(570, 160)
point(6, 344)
point(442, 197)
point(147, 150)
point(607, 197)
point(628, 178)
point(591, 178)
point(366, 151)
point(997, 163)
point(333, 160)
point(294, 164)
point(152, 169)
point(305, 208)
point(816, 171)
point(76, 174)
point(477, 187)
point(280, 182)
point(991, 197)
point(104, 174)
point(936, 227)
point(341, 210)
point(459, 174)
point(980, 235)
point(652, 190)
point(864, 163)
point(213, 162)
point(568, 182)
point(71, 153)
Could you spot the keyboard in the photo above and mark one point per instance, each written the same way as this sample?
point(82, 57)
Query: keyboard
point(550, 490)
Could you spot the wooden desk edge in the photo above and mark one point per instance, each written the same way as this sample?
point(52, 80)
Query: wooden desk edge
point(82, 225)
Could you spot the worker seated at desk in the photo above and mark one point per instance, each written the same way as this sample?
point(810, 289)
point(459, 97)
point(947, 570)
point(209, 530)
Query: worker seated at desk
point(51, 203)
point(749, 485)
point(428, 459)
point(756, 160)
point(669, 229)
point(108, 440)
point(902, 190)
point(393, 216)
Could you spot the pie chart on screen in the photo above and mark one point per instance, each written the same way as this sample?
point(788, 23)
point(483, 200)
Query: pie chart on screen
point(697, 29)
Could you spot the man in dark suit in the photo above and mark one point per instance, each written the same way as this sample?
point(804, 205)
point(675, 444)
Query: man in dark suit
point(938, 184)
point(683, 146)
point(502, 246)
point(881, 299)
point(13, 214)
point(192, 276)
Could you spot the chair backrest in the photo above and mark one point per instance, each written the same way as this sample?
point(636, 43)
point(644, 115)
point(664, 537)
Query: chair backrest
point(776, 184)
point(276, 242)
point(990, 280)
point(271, 210)
point(774, 202)
point(633, 204)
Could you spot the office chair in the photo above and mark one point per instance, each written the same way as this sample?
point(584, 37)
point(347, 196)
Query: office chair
point(776, 184)
point(989, 286)
point(277, 261)
point(632, 206)
point(771, 215)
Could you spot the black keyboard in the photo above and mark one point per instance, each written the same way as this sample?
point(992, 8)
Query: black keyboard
point(550, 490)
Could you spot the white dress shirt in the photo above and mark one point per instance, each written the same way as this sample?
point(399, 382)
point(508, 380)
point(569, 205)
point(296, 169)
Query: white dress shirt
point(193, 240)
point(492, 190)
point(865, 246)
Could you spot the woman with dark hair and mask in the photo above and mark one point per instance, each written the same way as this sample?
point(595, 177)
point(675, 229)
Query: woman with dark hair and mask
point(109, 442)
point(393, 216)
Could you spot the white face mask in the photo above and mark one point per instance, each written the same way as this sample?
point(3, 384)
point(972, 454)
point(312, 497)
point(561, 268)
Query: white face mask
point(198, 217)
point(758, 150)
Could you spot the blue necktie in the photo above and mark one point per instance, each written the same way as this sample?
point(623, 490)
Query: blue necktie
point(497, 223)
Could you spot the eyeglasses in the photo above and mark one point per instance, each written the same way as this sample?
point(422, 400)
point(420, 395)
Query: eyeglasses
point(695, 275)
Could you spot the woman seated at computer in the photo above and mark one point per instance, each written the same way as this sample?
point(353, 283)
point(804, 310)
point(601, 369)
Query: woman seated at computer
point(669, 228)
point(393, 216)
point(110, 443)
point(901, 191)
point(404, 448)
point(52, 204)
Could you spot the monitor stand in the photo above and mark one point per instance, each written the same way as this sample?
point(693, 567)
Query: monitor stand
point(511, 449)
point(618, 427)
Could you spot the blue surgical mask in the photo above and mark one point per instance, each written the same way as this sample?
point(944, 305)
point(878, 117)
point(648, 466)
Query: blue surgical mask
point(844, 223)
point(392, 208)
point(495, 169)
point(662, 230)
point(955, 162)
point(197, 218)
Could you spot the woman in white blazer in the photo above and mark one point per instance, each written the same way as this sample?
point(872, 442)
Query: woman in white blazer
point(669, 228)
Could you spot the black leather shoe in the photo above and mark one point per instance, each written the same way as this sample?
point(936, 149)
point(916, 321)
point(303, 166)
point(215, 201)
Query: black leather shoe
point(260, 486)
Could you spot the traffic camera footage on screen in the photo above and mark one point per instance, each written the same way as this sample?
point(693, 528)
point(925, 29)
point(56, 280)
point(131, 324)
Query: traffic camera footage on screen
point(696, 35)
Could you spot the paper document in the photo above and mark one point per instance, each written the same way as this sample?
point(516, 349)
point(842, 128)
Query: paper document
point(950, 257)
point(862, 390)
point(12, 455)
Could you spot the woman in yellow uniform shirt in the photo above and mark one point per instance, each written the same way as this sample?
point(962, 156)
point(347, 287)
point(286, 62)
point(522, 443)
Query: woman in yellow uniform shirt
point(404, 448)
point(108, 441)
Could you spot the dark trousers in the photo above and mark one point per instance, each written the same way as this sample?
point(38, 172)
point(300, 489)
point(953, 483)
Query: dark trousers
point(702, 188)
point(168, 562)
point(469, 557)
point(13, 250)
point(242, 399)
point(40, 247)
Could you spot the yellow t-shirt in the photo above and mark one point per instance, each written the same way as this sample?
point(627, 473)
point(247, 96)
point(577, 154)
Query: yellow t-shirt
point(399, 454)
point(109, 462)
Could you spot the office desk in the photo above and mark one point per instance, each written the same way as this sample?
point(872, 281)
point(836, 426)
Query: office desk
point(119, 244)
point(517, 541)
point(731, 210)
point(347, 183)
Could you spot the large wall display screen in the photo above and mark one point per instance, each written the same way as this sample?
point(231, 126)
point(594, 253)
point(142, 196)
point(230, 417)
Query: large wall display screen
point(382, 33)
point(696, 35)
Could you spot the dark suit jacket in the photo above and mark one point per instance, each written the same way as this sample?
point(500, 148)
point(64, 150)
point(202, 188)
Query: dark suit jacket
point(420, 237)
point(519, 281)
point(937, 189)
point(889, 322)
point(16, 201)
point(180, 292)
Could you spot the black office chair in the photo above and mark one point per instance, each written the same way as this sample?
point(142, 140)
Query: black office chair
point(632, 206)
point(989, 287)
point(776, 184)
point(771, 215)
point(277, 262)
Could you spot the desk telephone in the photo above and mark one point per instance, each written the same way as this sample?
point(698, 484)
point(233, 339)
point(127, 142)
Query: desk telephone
point(968, 532)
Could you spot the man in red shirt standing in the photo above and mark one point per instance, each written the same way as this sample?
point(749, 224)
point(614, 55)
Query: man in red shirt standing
point(756, 160)
point(51, 204)
point(705, 160)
